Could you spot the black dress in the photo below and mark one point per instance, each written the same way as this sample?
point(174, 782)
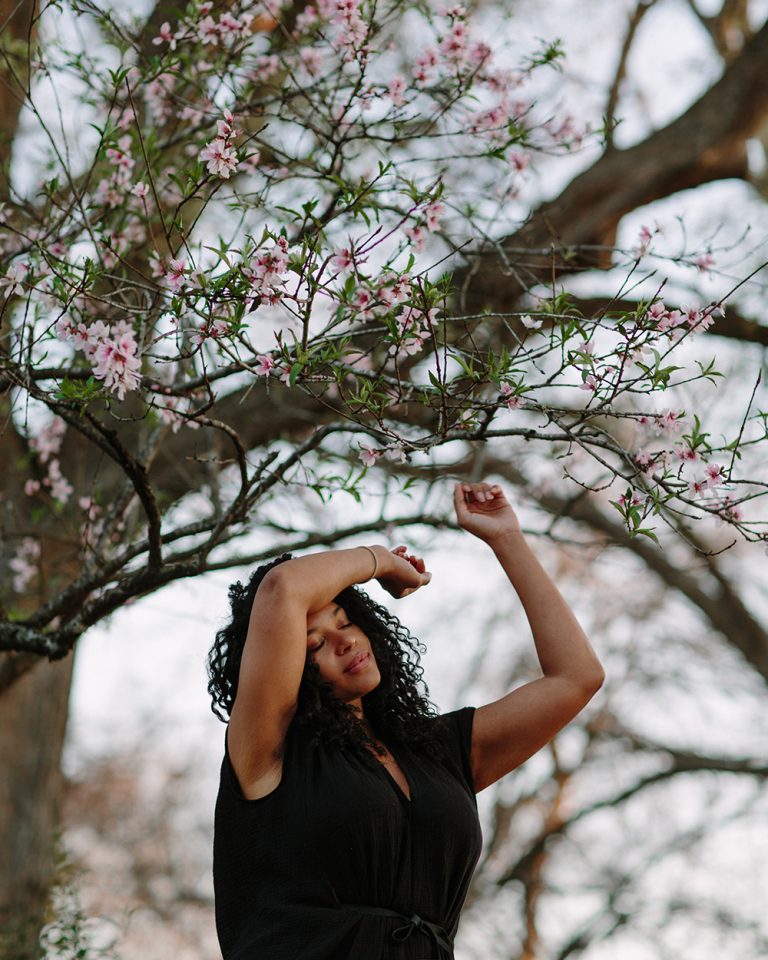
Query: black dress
point(337, 864)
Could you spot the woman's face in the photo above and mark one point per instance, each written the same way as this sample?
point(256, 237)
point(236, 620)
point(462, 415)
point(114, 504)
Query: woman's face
point(336, 645)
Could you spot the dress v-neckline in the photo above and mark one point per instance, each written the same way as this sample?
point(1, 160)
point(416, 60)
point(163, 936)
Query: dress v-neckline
point(392, 780)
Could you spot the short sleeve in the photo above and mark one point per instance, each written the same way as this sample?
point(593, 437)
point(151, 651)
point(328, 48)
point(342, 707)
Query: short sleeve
point(458, 743)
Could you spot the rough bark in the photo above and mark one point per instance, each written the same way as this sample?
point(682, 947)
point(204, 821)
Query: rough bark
point(33, 717)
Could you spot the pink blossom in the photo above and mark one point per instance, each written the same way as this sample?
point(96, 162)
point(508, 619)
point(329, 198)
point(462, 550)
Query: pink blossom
point(140, 190)
point(207, 30)
point(24, 563)
point(306, 19)
point(517, 160)
point(225, 129)
point(396, 453)
point(508, 395)
point(425, 62)
point(657, 311)
point(117, 362)
point(692, 316)
point(369, 456)
point(31, 487)
point(394, 288)
point(14, 276)
point(706, 319)
point(416, 236)
point(590, 383)
point(644, 239)
point(479, 53)
point(685, 453)
point(266, 272)
point(454, 46)
point(529, 323)
point(343, 260)
point(119, 156)
point(669, 422)
point(165, 36)
point(396, 88)
point(311, 60)
point(61, 488)
point(65, 328)
point(732, 510)
point(108, 192)
point(433, 212)
point(156, 264)
point(265, 364)
point(696, 488)
point(671, 320)
point(633, 501)
point(705, 262)
point(645, 460)
point(221, 158)
point(89, 338)
point(175, 274)
point(48, 441)
point(363, 301)
point(714, 474)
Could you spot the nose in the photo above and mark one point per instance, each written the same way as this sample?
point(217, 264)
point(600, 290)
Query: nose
point(345, 642)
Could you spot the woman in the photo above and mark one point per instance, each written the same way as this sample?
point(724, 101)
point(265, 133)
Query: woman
point(346, 821)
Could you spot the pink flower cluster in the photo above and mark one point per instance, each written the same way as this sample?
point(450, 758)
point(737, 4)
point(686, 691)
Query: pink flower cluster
point(677, 322)
point(266, 363)
point(111, 190)
point(14, 276)
point(220, 154)
point(211, 330)
point(171, 411)
point(112, 351)
point(24, 563)
point(46, 445)
point(351, 29)
point(205, 29)
point(395, 453)
point(508, 395)
point(266, 273)
point(414, 324)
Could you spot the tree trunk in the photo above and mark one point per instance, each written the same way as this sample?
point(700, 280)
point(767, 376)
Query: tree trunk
point(33, 720)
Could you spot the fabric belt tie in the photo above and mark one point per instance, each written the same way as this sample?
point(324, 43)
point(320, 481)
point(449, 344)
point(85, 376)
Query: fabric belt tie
point(413, 922)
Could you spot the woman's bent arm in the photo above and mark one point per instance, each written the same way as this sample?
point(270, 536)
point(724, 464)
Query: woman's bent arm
point(276, 645)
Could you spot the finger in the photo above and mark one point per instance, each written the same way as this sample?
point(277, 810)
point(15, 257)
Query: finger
point(460, 492)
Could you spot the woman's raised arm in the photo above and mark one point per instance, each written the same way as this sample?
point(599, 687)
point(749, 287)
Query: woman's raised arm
point(508, 731)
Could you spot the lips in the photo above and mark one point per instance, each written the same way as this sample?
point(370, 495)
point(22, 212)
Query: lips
point(358, 664)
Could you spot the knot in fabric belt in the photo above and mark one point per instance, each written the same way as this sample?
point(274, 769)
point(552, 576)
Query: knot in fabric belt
point(412, 922)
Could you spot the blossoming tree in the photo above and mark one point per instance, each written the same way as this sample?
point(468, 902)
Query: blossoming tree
point(254, 250)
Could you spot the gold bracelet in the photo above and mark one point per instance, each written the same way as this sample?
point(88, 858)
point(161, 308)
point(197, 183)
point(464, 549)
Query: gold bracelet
point(375, 564)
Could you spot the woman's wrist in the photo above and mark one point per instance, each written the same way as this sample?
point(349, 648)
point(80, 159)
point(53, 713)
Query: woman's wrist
point(379, 557)
point(374, 558)
point(507, 540)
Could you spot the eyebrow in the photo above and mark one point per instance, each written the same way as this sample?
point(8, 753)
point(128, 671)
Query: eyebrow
point(333, 614)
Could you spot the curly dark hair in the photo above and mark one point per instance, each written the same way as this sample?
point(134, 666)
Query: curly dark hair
point(396, 709)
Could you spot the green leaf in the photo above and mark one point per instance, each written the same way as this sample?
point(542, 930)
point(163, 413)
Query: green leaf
point(296, 369)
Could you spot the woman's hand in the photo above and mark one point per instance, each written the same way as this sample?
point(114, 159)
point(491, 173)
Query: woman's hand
point(402, 573)
point(482, 509)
